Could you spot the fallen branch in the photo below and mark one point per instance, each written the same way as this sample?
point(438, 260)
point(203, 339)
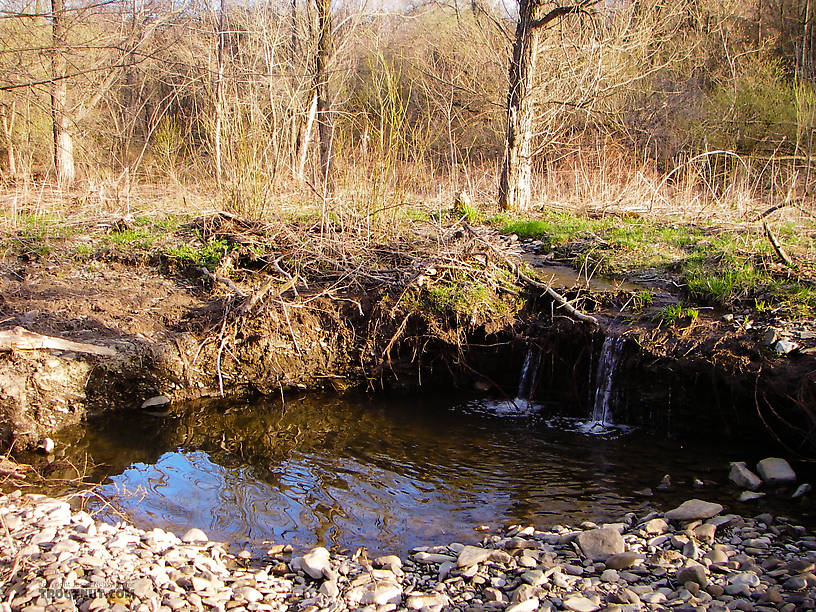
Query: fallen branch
point(778, 247)
point(557, 297)
point(20, 338)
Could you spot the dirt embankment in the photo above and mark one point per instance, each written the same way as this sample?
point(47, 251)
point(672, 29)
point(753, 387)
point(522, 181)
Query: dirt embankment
point(183, 333)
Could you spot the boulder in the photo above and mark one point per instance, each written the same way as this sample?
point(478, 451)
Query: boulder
point(774, 470)
point(692, 510)
point(742, 477)
point(600, 544)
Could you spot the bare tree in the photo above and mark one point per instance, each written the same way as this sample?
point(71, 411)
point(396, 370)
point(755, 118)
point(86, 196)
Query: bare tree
point(321, 86)
point(61, 122)
point(514, 185)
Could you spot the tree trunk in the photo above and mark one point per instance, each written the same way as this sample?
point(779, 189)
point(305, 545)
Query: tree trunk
point(7, 120)
point(514, 184)
point(61, 123)
point(325, 127)
point(306, 137)
point(219, 92)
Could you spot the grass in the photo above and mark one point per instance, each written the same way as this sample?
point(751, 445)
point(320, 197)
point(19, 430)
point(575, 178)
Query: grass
point(209, 254)
point(720, 267)
point(677, 313)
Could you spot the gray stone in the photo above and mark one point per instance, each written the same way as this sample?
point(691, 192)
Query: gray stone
point(693, 509)
point(392, 562)
point(775, 470)
point(600, 544)
point(157, 401)
point(693, 573)
point(742, 477)
point(784, 347)
point(426, 557)
point(801, 490)
point(622, 560)
point(534, 577)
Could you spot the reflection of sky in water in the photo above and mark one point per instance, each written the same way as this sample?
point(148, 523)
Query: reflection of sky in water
point(389, 474)
point(336, 500)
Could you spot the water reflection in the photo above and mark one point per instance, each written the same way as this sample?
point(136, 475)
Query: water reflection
point(386, 473)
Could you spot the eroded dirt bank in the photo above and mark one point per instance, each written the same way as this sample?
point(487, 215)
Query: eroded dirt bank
point(452, 315)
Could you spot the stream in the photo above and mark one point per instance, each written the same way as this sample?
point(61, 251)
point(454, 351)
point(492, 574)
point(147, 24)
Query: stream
point(386, 472)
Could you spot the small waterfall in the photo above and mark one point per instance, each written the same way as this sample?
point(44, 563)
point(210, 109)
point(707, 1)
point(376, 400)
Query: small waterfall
point(528, 374)
point(604, 378)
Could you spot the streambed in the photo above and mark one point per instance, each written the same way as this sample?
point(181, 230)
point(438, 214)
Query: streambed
point(385, 472)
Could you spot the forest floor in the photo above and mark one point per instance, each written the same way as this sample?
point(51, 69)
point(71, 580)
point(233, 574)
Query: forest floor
point(199, 302)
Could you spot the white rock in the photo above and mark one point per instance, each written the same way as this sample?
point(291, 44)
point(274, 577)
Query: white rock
point(382, 594)
point(195, 536)
point(802, 489)
point(742, 477)
point(429, 600)
point(580, 604)
point(746, 496)
point(316, 562)
point(528, 605)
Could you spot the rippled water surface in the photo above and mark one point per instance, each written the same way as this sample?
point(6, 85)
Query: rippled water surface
point(387, 473)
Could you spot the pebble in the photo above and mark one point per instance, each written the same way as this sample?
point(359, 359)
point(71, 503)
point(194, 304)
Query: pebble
point(744, 564)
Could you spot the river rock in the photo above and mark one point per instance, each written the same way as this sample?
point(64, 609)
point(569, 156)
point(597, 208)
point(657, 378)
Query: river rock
point(157, 401)
point(580, 604)
point(382, 594)
point(802, 490)
point(622, 560)
point(430, 600)
point(693, 573)
point(472, 555)
point(316, 563)
point(391, 562)
point(693, 509)
point(775, 470)
point(655, 526)
point(600, 544)
point(528, 605)
point(747, 496)
point(195, 536)
point(742, 477)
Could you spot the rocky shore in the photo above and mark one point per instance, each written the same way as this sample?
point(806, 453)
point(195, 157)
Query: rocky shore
point(690, 558)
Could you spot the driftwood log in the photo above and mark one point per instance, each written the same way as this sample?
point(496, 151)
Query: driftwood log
point(20, 338)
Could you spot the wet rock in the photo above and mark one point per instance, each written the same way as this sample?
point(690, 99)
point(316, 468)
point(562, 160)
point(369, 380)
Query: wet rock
point(600, 544)
point(747, 496)
point(802, 490)
point(775, 470)
point(740, 476)
point(693, 509)
point(157, 401)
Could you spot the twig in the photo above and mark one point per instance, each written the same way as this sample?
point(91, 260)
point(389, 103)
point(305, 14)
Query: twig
point(557, 297)
point(778, 247)
point(221, 279)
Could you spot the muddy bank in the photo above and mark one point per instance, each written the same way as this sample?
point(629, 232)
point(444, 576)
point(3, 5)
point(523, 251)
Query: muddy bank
point(452, 318)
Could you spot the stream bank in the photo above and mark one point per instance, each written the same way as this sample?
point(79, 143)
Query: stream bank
point(444, 312)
